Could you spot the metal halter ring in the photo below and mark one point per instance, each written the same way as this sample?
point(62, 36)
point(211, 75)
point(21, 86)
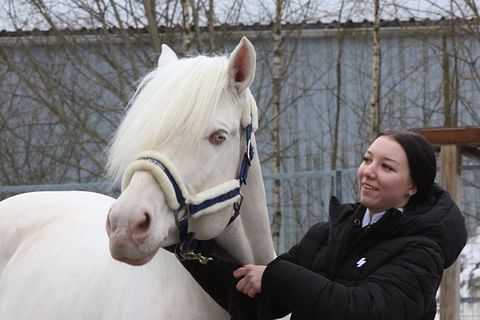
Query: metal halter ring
point(249, 151)
point(176, 214)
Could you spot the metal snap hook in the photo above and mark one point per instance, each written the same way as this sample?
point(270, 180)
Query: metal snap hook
point(191, 255)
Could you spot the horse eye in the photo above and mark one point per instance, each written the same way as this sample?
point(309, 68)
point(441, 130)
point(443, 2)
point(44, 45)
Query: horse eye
point(217, 137)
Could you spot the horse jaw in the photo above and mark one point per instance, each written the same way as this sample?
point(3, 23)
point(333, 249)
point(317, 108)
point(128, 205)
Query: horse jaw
point(140, 222)
point(248, 239)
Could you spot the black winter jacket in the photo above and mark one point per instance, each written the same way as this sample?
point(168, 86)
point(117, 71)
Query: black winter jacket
point(388, 270)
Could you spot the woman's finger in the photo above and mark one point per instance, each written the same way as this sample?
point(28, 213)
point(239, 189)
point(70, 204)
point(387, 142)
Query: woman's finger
point(240, 272)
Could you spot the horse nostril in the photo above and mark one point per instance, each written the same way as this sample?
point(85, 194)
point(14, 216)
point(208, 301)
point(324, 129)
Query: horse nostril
point(141, 229)
point(145, 225)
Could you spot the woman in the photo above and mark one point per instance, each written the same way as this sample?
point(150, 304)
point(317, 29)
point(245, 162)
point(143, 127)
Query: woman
point(382, 258)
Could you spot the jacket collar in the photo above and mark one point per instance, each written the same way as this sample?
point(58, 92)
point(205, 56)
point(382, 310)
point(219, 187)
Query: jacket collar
point(339, 212)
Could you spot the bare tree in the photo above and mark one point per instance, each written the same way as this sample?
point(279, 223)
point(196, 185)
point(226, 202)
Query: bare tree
point(376, 73)
point(186, 31)
point(210, 25)
point(150, 13)
point(338, 105)
point(276, 102)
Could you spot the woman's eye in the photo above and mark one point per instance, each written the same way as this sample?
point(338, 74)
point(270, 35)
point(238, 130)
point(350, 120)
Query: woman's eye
point(217, 137)
point(387, 167)
point(366, 159)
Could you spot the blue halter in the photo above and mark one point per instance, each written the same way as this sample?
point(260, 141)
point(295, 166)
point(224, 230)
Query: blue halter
point(184, 204)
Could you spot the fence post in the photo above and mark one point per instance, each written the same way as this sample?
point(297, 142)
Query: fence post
point(450, 166)
point(338, 185)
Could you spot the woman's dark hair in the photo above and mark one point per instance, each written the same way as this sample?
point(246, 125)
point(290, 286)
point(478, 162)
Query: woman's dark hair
point(421, 160)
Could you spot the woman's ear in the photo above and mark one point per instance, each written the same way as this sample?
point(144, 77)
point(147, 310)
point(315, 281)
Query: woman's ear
point(411, 191)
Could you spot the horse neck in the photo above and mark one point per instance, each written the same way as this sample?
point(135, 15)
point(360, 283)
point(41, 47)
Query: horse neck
point(249, 238)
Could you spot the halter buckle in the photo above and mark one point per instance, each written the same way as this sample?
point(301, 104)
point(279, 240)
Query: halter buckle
point(238, 205)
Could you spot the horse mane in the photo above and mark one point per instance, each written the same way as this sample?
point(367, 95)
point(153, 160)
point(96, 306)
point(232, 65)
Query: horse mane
point(176, 100)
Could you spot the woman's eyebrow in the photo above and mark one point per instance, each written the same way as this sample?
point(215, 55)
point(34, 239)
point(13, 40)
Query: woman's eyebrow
point(390, 159)
point(384, 158)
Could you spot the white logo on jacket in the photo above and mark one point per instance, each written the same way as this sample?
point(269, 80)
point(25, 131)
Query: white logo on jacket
point(361, 262)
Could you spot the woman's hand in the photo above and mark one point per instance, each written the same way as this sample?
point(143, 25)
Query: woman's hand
point(251, 279)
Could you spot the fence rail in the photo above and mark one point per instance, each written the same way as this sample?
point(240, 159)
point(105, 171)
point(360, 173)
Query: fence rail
point(103, 187)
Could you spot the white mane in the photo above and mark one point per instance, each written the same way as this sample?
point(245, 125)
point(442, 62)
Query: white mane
point(176, 99)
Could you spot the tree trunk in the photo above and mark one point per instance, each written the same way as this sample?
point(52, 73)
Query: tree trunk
point(186, 34)
point(150, 13)
point(211, 26)
point(196, 26)
point(376, 73)
point(447, 100)
point(340, 45)
point(277, 79)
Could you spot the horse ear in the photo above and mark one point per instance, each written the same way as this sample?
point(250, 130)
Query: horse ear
point(166, 55)
point(241, 66)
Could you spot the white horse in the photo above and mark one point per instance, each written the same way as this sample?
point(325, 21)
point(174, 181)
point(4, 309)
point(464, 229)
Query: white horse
point(179, 150)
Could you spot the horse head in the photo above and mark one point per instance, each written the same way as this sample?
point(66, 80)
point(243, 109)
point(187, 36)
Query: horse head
point(182, 153)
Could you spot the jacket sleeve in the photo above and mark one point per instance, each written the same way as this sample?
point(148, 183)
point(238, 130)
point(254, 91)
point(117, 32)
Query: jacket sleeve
point(399, 289)
point(216, 278)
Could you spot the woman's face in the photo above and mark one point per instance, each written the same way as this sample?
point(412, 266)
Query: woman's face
point(384, 176)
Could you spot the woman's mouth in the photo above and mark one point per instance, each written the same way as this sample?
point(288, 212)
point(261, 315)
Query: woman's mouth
point(367, 186)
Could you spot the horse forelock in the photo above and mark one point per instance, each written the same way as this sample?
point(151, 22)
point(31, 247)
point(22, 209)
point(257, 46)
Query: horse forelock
point(174, 100)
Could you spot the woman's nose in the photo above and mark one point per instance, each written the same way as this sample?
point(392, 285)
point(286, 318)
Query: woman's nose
point(369, 170)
